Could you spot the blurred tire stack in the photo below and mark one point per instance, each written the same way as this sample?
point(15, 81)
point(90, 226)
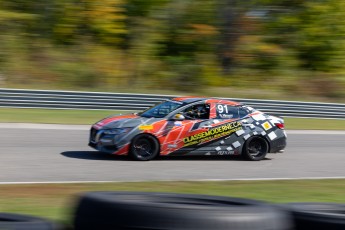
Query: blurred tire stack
point(317, 216)
point(168, 211)
point(119, 210)
point(9, 221)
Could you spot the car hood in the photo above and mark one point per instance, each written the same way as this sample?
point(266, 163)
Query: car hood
point(123, 121)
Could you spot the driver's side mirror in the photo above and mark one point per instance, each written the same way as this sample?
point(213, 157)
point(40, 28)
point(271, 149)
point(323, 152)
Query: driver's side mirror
point(178, 117)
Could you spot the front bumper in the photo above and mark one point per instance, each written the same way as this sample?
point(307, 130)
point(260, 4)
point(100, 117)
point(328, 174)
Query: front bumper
point(104, 148)
point(101, 142)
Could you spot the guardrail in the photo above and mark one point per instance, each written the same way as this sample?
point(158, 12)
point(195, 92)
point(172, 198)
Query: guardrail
point(50, 99)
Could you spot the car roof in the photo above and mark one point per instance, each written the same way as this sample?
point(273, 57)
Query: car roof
point(191, 99)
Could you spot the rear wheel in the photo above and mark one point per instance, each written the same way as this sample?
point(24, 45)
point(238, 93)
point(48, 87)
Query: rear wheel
point(255, 148)
point(144, 147)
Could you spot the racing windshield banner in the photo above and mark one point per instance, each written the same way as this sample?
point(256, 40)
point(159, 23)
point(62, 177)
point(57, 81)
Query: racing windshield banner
point(213, 133)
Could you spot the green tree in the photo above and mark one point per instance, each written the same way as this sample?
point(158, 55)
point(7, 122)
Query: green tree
point(314, 29)
point(102, 21)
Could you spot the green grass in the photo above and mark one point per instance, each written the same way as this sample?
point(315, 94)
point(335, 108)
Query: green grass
point(316, 124)
point(56, 201)
point(52, 116)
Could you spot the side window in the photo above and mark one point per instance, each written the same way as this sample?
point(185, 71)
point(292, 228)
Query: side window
point(199, 111)
point(227, 111)
point(243, 112)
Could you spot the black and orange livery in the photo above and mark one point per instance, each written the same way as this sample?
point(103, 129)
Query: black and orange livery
point(191, 126)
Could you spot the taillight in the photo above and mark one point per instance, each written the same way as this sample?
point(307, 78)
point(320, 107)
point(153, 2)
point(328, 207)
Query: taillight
point(280, 125)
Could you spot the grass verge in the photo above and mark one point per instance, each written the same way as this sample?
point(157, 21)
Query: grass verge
point(56, 201)
point(51, 116)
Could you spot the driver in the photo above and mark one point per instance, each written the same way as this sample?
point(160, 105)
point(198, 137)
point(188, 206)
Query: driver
point(197, 112)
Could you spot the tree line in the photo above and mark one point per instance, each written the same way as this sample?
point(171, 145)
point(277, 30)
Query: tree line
point(292, 45)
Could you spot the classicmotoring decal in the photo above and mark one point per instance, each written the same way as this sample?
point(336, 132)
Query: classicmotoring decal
point(213, 133)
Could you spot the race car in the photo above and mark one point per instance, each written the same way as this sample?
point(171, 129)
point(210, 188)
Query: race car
point(191, 126)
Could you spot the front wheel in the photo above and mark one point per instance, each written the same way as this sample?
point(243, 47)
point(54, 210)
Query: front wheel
point(144, 147)
point(255, 148)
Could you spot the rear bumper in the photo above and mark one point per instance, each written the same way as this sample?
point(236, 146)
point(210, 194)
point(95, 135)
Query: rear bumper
point(278, 145)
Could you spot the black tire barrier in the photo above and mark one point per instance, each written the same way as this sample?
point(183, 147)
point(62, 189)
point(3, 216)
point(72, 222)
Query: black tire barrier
point(9, 221)
point(317, 216)
point(137, 210)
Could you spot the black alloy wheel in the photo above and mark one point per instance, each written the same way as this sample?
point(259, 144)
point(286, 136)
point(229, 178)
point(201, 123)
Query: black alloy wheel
point(144, 147)
point(255, 148)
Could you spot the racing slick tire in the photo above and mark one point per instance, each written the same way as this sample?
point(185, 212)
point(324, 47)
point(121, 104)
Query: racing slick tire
point(317, 216)
point(144, 147)
point(255, 148)
point(11, 221)
point(138, 210)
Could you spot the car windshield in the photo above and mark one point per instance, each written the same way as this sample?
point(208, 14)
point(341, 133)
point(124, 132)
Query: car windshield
point(161, 110)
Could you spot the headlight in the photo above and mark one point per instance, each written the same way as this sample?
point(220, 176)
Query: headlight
point(116, 131)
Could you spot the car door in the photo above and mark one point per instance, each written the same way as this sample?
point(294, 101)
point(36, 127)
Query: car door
point(183, 136)
point(227, 124)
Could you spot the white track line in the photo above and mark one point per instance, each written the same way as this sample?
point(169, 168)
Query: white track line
point(197, 180)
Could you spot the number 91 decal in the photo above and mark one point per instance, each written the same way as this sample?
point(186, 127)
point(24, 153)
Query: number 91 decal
point(222, 109)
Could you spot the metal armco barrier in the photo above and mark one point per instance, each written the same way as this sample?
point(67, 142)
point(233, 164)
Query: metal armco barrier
point(49, 99)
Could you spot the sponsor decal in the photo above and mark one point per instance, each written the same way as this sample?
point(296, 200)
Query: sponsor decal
point(226, 116)
point(145, 127)
point(213, 133)
point(172, 146)
point(224, 152)
point(267, 125)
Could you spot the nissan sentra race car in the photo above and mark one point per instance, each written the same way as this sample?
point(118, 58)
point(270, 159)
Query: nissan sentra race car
point(191, 126)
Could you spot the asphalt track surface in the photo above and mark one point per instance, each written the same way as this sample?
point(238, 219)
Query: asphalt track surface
point(32, 153)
